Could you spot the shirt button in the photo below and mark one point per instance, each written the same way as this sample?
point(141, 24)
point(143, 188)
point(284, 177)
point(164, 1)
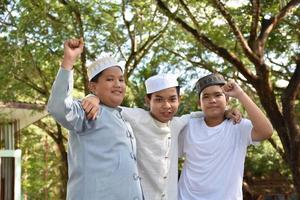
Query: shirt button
point(163, 194)
point(135, 177)
point(132, 156)
point(128, 134)
point(165, 177)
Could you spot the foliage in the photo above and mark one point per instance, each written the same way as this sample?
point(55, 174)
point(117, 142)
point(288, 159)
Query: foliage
point(150, 40)
point(263, 161)
point(39, 168)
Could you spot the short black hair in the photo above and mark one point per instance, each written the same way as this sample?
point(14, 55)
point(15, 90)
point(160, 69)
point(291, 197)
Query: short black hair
point(95, 78)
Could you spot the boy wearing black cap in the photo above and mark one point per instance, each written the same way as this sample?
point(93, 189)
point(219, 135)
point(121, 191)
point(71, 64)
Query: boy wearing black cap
point(214, 148)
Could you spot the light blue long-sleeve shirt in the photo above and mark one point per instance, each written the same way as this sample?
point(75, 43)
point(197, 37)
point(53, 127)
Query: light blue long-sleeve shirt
point(101, 153)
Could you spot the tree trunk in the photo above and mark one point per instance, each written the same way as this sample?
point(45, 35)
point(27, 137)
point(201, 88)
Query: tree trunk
point(64, 163)
point(58, 138)
point(296, 179)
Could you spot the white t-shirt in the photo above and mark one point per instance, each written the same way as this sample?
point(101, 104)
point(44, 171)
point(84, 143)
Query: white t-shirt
point(214, 160)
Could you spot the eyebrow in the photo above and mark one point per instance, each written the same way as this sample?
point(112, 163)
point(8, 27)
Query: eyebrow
point(112, 75)
point(158, 96)
point(219, 92)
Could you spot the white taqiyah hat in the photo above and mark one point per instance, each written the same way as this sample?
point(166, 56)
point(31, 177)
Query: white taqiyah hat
point(160, 82)
point(100, 65)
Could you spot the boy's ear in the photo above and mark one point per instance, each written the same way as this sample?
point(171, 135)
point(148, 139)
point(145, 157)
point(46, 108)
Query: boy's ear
point(199, 104)
point(147, 101)
point(92, 87)
point(179, 99)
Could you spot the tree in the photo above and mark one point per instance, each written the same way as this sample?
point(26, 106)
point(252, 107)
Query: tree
point(240, 42)
point(256, 43)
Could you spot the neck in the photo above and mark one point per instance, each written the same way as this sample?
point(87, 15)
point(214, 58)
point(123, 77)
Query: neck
point(211, 121)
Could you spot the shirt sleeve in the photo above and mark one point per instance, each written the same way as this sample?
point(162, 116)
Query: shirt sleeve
point(181, 141)
point(197, 114)
point(134, 115)
point(61, 106)
point(245, 128)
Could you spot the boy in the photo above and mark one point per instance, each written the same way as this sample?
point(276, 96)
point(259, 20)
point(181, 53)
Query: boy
point(156, 133)
point(99, 152)
point(214, 148)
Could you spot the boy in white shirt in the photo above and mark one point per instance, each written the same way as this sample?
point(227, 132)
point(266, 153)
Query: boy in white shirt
point(214, 148)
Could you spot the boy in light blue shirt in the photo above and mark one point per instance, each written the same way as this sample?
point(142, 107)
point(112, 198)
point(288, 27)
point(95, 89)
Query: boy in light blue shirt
point(101, 153)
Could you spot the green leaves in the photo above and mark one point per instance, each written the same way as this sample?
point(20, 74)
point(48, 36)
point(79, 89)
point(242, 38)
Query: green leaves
point(197, 40)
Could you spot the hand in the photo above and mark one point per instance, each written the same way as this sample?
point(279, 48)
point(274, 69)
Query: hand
point(91, 106)
point(72, 49)
point(233, 114)
point(232, 89)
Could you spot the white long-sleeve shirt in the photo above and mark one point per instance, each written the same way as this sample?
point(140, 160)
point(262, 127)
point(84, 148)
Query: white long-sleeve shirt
point(157, 152)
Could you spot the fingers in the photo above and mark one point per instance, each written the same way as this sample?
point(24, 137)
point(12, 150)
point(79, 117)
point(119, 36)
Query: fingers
point(236, 116)
point(93, 113)
point(84, 104)
point(233, 114)
point(74, 43)
point(90, 109)
point(228, 86)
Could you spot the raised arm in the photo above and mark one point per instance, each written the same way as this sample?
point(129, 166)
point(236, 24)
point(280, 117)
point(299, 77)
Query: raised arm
point(61, 105)
point(262, 128)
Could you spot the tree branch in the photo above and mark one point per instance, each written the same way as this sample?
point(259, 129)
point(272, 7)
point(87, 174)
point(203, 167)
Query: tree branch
point(119, 46)
point(27, 81)
point(130, 32)
point(189, 13)
point(278, 149)
point(247, 50)
point(78, 26)
point(47, 129)
point(267, 27)
point(256, 10)
point(41, 75)
point(288, 99)
point(205, 41)
point(144, 49)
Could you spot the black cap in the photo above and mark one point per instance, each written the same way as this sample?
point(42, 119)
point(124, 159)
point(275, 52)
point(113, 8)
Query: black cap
point(209, 80)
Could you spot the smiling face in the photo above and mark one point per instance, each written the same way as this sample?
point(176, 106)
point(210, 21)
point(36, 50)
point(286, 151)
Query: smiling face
point(110, 87)
point(213, 102)
point(163, 104)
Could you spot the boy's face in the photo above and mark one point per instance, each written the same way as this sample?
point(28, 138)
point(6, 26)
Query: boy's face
point(110, 87)
point(213, 101)
point(164, 104)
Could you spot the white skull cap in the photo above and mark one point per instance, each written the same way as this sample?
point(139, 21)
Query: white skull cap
point(101, 64)
point(160, 82)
